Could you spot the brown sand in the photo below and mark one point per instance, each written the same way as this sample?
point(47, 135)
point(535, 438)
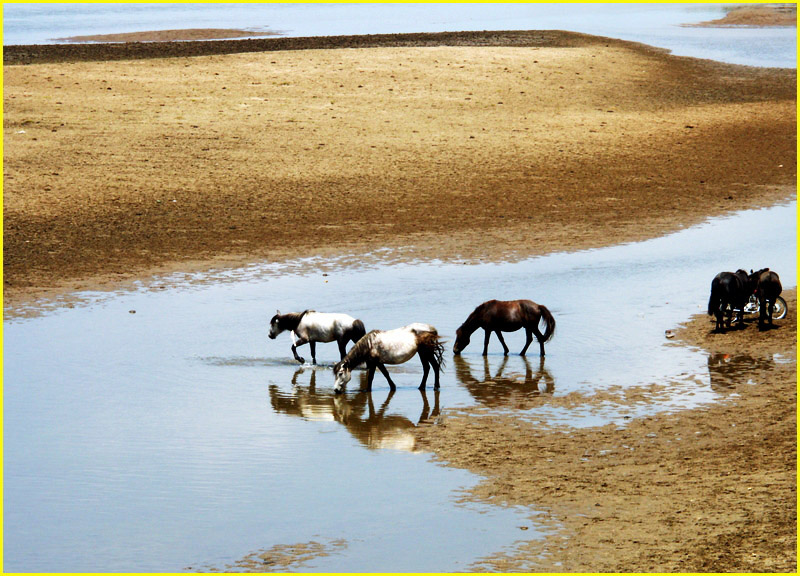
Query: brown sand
point(709, 489)
point(754, 16)
point(114, 169)
point(188, 34)
point(124, 159)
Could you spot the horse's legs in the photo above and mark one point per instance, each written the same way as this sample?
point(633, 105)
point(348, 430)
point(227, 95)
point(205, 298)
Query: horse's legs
point(370, 375)
point(528, 340)
point(385, 372)
point(540, 339)
point(436, 368)
point(486, 335)
point(342, 348)
point(426, 367)
point(298, 341)
point(503, 342)
point(313, 346)
point(765, 312)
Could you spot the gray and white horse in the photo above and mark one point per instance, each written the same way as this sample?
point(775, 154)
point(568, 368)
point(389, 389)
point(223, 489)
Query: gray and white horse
point(396, 346)
point(310, 327)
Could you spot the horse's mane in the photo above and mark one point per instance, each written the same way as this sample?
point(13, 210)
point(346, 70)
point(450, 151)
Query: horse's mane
point(291, 319)
point(473, 320)
point(360, 350)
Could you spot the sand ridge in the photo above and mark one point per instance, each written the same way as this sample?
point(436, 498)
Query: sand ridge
point(754, 16)
point(184, 35)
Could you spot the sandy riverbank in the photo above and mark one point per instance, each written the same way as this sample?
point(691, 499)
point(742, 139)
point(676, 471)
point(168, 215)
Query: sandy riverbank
point(124, 160)
point(710, 489)
point(116, 169)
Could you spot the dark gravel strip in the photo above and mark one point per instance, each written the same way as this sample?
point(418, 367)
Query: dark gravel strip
point(53, 53)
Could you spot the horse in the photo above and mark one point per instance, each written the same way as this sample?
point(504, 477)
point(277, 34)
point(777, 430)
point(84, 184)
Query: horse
point(729, 291)
point(767, 287)
point(380, 347)
point(507, 316)
point(312, 327)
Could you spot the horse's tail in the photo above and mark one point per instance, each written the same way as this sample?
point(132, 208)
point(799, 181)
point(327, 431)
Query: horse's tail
point(357, 332)
point(550, 323)
point(714, 299)
point(430, 342)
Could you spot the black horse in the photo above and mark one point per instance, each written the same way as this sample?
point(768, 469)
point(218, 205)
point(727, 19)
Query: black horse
point(767, 285)
point(729, 291)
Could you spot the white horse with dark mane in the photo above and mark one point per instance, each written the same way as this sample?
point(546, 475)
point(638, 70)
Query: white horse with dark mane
point(396, 346)
point(310, 327)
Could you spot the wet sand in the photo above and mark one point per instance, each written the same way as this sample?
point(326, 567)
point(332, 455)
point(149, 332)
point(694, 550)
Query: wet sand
point(711, 489)
point(123, 160)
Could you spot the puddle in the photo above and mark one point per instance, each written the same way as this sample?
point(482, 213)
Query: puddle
point(726, 371)
point(182, 436)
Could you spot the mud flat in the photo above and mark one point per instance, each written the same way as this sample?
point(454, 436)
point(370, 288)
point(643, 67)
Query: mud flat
point(708, 489)
point(493, 145)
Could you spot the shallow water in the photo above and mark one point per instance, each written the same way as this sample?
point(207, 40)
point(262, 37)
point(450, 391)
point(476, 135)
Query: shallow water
point(654, 24)
point(159, 429)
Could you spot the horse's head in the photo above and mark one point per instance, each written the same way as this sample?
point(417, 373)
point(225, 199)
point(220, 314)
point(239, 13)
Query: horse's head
point(342, 372)
point(462, 341)
point(274, 328)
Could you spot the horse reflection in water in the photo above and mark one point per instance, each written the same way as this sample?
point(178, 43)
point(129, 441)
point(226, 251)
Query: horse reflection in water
point(727, 371)
point(514, 390)
point(374, 426)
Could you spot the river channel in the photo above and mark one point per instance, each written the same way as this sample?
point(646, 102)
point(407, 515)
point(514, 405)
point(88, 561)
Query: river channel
point(159, 429)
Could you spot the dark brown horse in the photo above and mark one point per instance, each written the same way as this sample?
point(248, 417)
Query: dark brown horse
point(767, 286)
point(730, 291)
point(507, 316)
